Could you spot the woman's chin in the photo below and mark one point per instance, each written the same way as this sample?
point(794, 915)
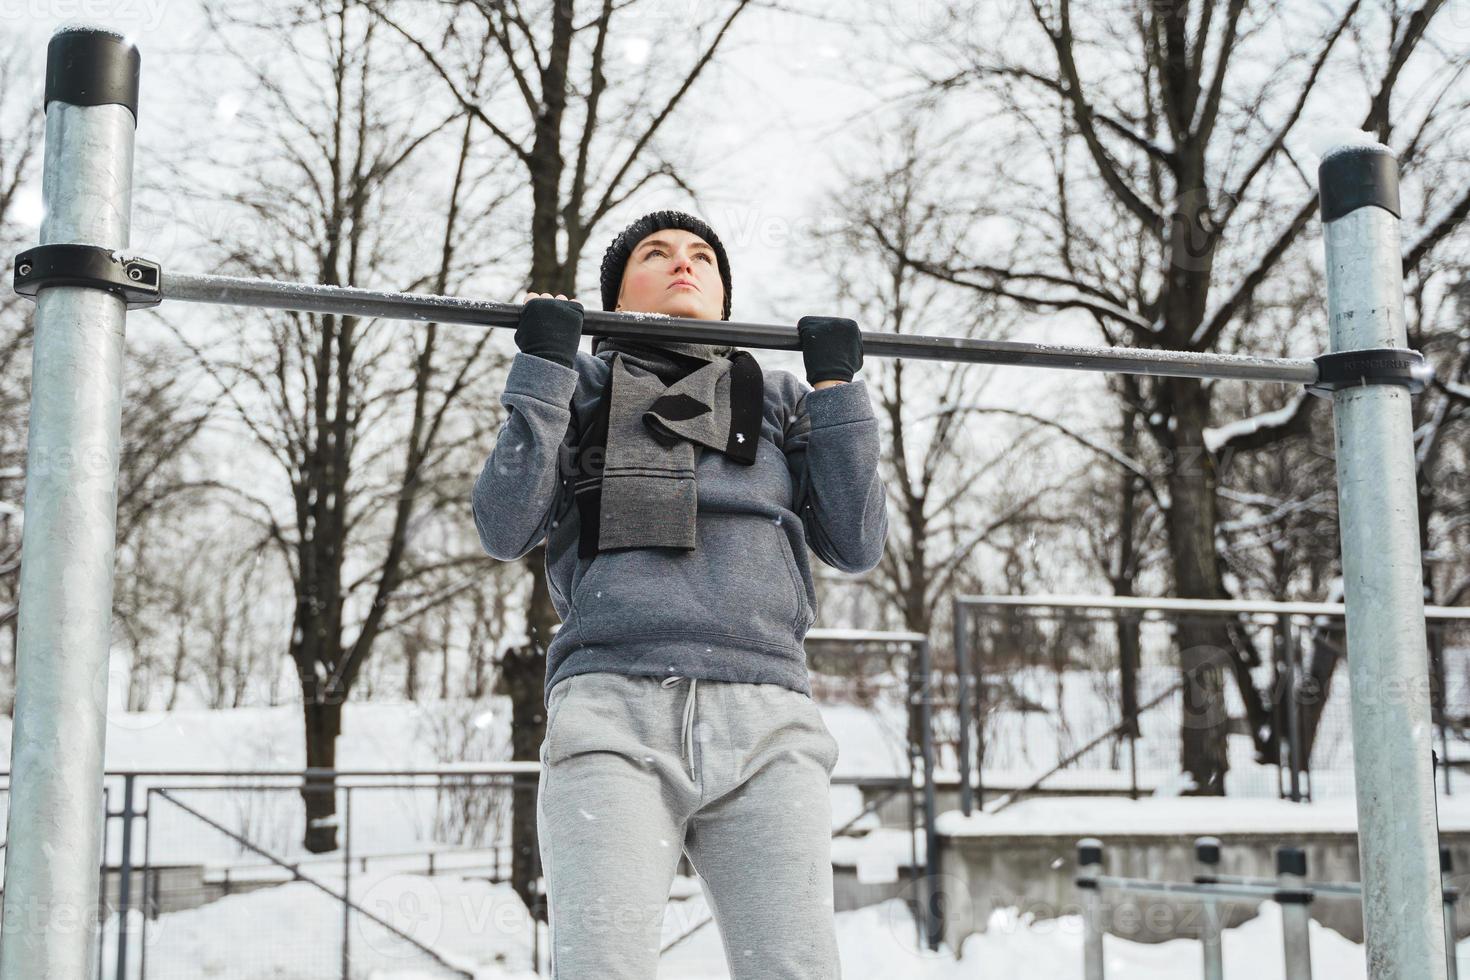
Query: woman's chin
point(685, 307)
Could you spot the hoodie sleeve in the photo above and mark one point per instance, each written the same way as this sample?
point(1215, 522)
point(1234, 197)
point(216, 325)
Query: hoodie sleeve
point(831, 443)
point(520, 490)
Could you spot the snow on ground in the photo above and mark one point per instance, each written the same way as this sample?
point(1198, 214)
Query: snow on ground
point(293, 930)
point(1020, 745)
point(485, 930)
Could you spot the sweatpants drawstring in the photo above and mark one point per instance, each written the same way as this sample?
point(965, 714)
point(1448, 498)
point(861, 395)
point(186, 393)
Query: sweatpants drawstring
point(687, 734)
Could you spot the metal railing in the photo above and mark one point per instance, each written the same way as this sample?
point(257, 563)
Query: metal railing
point(210, 835)
point(1290, 890)
point(1018, 654)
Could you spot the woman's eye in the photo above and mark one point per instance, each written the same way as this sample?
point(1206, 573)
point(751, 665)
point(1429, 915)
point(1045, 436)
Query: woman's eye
point(705, 256)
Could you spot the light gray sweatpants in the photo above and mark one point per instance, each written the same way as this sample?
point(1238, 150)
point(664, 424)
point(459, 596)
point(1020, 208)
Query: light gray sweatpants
point(636, 770)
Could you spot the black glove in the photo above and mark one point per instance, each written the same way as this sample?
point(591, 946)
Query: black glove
point(550, 328)
point(831, 346)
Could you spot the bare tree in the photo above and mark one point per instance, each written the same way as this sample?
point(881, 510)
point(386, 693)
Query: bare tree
point(969, 502)
point(199, 630)
point(1173, 205)
point(160, 424)
point(360, 418)
point(934, 467)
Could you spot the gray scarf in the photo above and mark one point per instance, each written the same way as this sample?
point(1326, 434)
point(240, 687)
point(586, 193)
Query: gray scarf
point(663, 401)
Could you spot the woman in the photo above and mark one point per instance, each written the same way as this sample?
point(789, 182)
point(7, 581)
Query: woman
point(678, 487)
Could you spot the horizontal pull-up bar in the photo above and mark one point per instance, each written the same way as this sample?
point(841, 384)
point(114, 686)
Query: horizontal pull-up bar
point(349, 301)
point(142, 283)
point(657, 326)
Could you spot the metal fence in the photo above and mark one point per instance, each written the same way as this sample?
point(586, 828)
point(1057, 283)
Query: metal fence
point(1215, 894)
point(1086, 695)
point(206, 873)
point(891, 674)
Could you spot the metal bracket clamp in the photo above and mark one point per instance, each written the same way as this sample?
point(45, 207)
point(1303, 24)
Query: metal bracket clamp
point(1379, 366)
point(136, 280)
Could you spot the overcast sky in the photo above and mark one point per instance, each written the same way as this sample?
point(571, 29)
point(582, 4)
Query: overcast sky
point(787, 99)
point(790, 99)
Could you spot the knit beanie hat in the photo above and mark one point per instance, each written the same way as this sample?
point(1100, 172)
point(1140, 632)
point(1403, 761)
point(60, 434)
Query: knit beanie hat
point(615, 259)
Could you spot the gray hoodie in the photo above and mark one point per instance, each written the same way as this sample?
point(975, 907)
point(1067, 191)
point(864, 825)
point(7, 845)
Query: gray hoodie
point(736, 607)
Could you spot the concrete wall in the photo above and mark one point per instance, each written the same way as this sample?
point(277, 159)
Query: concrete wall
point(980, 874)
point(849, 893)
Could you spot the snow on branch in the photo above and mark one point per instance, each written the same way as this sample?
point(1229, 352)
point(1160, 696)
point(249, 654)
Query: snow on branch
point(1316, 502)
point(1279, 421)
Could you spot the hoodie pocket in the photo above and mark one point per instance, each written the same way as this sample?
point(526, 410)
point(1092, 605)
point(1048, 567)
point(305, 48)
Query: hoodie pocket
point(730, 584)
point(554, 700)
point(804, 614)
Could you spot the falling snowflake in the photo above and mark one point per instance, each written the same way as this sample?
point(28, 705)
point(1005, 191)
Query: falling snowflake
point(740, 437)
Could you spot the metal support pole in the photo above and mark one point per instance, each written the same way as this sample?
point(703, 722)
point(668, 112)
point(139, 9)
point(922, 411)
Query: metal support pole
point(913, 749)
point(51, 863)
point(1441, 690)
point(933, 922)
point(962, 708)
point(150, 896)
point(1207, 854)
point(102, 909)
point(1089, 867)
point(346, 882)
point(1129, 633)
point(1382, 574)
point(125, 878)
point(1293, 709)
point(1296, 912)
point(1133, 761)
point(1451, 895)
point(913, 825)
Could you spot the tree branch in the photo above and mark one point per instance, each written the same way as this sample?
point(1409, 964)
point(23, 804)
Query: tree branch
point(1062, 42)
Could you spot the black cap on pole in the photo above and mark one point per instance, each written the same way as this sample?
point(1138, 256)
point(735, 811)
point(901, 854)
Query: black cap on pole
point(1356, 176)
point(92, 66)
point(1291, 861)
point(1207, 850)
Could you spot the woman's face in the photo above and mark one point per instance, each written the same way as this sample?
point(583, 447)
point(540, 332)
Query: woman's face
point(675, 272)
